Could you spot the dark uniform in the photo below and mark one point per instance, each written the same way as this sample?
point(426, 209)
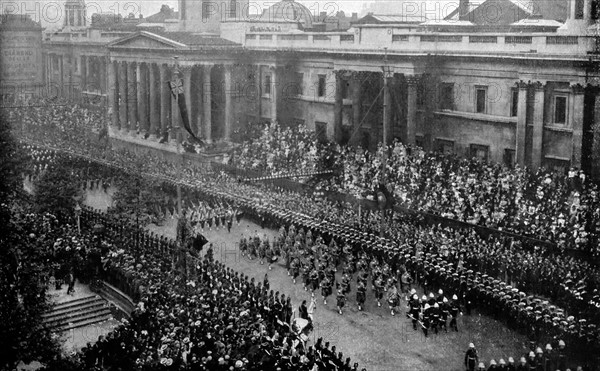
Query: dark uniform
point(361, 294)
point(471, 359)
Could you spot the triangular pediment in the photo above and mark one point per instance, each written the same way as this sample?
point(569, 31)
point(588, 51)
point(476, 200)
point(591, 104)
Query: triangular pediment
point(146, 40)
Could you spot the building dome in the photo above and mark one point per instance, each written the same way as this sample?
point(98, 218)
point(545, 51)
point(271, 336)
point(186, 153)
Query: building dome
point(288, 11)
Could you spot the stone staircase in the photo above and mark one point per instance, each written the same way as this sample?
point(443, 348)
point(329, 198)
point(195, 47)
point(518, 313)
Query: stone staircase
point(116, 297)
point(77, 313)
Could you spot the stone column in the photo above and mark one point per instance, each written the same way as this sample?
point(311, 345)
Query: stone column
point(258, 82)
point(165, 100)
point(273, 70)
point(101, 64)
point(176, 124)
point(338, 108)
point(228, 102)
point(595, 165)
point(62, 74)
point(538, 126)
point(123, 122)
point(154, 105)
point(521, 122)
point(411, 119)
point(187, 86)
point(142, 98)
point(84, 72)
point(577, 124)
point(388, 131)
point(207, 98)
point(132, 104)
point(112, 94)
point(356, 107)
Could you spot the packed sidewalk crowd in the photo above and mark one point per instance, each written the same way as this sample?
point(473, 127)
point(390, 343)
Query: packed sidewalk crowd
point(209, 318)
point(560, 208)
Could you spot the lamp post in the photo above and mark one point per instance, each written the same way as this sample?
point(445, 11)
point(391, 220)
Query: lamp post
point(77, 217)
point(388, 73)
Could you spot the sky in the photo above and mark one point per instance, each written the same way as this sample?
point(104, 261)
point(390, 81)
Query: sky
point(49, 12)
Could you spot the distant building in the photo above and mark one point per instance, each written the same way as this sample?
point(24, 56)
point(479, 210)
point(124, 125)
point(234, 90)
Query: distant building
point(21, 64)
point(518, 90)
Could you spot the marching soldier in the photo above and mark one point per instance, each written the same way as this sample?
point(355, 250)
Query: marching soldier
point(393, 298)
point(414, 309)
point(325, 289)
point(435, 317)
point(454, 311)
point(341, 301)
point(445, 312)
point(378, 285)
point(361, 294)
point(471, 358)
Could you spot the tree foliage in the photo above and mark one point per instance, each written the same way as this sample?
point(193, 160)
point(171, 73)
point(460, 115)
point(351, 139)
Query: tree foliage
point(22, 269)
point(58, 192)
point(137, 199)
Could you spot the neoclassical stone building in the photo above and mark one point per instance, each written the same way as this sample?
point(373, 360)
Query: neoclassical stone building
point(519, 87)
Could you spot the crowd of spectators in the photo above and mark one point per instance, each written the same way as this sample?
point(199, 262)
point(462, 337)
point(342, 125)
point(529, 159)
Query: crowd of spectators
point(568, 282)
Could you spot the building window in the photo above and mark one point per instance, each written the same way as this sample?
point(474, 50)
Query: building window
point(345, 84)
point(479, 152)
point(509, 158)
point(480, 98)
point(420, 141)
point(447, 96)
point(321, 88)
point(445, 146)
point(299, 83)
point(298, 122)
point(267, 84)
point(366, 140)
point(560, 109)
point(514, 103)
point(321, 131)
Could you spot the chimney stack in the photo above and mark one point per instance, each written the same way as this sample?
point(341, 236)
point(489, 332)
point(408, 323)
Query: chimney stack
point(463, 8)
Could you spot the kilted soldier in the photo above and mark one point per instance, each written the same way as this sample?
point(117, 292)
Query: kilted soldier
point(454, 311)
point(305, 272)
point(361, 294)
point(295, 268)
point(341, 301)
point(393, 299)
point(314, 280)
point(243, 246)
point(326, 289)
point(346, 284)
point(471, 358)
point(262, 252)
point(269, 256)
point(378, 286)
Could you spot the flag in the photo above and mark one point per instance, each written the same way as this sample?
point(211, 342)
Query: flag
point(176, 86)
